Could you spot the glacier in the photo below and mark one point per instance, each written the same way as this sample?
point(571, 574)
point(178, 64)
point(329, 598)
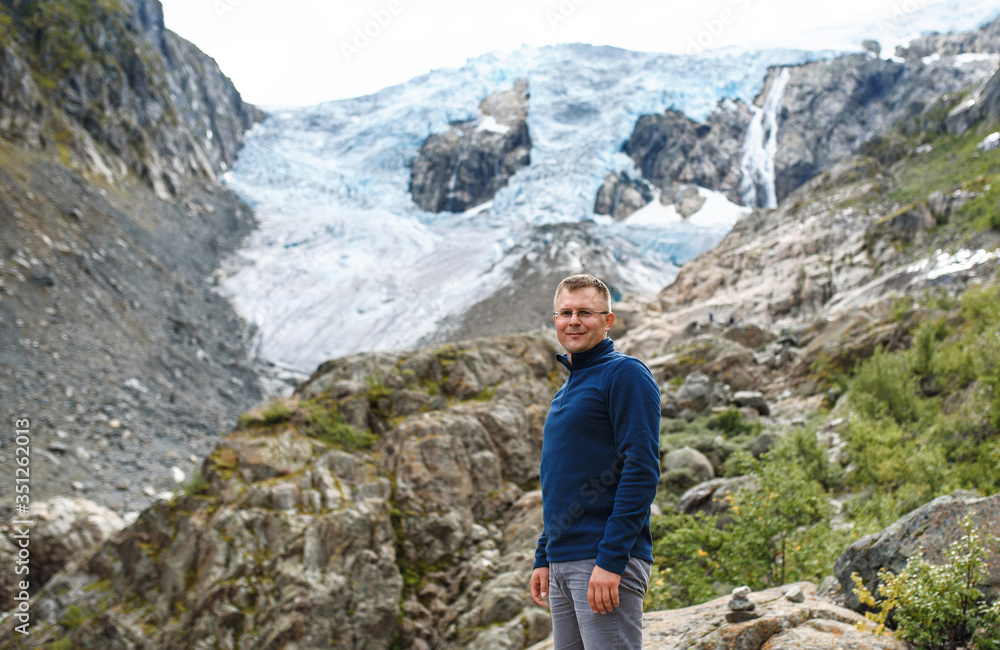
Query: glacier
point(343, 261)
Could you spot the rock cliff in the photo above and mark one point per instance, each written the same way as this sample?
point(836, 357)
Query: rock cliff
point(113, 133)
point(385, 502)
point(107, 88)
point(467, 164)
point(825, 111)
point(830, 108)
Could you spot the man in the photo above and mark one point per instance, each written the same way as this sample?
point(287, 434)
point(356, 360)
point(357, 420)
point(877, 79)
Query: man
point(599, 471)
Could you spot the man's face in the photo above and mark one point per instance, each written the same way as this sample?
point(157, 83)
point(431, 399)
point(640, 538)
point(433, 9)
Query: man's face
point(576, 334)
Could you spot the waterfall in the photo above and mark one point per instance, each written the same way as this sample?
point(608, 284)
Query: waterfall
point(759, 146)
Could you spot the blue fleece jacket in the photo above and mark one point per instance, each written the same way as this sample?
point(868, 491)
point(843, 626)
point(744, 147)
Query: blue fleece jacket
point(600, 461)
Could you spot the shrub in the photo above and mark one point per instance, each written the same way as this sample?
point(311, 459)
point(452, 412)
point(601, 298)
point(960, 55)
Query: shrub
point(731, 424)
point(802, 448)
point(884, 386)
point(275, 412)
point(938, 606)
point(914, 478)
point(194, 485)
point(327, 425)
point(925, 341)
point(768, 537)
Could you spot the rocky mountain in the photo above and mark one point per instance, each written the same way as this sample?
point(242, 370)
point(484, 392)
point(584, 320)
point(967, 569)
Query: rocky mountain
point(811, 117)
point(108, 88)
point(112, 220)
point(349, 193)
point(653, 156)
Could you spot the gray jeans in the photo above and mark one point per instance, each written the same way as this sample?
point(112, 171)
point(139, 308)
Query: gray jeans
point(575, 626)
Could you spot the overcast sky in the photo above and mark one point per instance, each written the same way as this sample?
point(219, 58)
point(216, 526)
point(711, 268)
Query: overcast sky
point(300, 52)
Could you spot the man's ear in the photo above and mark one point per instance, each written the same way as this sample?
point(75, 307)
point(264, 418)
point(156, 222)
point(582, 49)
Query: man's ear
point(611, 320)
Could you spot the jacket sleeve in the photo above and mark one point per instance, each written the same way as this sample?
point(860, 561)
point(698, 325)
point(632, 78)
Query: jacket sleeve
point(541, 559)
point(634, 407)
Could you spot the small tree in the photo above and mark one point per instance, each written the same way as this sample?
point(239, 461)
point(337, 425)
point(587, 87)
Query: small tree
point(938, 606)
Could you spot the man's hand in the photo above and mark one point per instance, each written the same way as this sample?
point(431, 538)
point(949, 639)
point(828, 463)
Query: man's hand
point(602, 594)
point(540, 585)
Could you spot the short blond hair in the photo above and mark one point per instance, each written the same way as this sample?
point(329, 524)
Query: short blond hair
point(583, 281)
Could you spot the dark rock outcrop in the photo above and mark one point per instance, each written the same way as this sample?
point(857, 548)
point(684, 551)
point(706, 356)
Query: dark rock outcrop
point(467, 164)
point(672, 149)
point(621, 195)
point(828, 110)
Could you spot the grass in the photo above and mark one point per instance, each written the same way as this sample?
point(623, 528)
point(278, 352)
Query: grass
point(325, 423)
point(954, 162)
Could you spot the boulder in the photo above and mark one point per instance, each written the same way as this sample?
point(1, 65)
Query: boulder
point(712, 497)
point(690, 459)
point(688, 200)
point(695, 393)
point(753, 399)
point(749, 335)
point(782, 624)
point(620, 195)
point(929, 532)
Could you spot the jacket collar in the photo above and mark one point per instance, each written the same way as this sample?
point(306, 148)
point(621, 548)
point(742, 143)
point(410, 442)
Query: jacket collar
point(587, 357)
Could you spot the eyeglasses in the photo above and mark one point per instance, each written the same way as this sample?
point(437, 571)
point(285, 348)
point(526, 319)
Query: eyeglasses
point(583, 314)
